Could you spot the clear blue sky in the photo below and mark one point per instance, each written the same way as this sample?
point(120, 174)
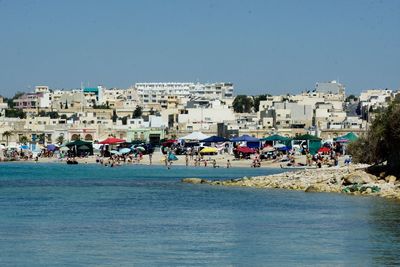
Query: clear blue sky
point(260, 46)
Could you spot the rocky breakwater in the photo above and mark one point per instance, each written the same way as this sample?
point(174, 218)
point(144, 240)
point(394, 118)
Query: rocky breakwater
point(338, 180)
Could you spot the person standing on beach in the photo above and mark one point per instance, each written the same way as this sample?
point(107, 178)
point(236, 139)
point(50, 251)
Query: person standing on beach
point(150, 158)
point(214, 163)
point(166, 159)
point(309, 158)
point(228, 164)
point(187, 159)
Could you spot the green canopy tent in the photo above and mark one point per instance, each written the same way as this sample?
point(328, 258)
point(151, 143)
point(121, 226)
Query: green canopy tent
point(313, 142)
point(80, 146)
point(351, 137)
point(277, 139)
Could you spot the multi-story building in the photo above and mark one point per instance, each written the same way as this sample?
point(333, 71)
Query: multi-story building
point(3, 106)
point(158, 93)
point(28, 100)
point(332, 87)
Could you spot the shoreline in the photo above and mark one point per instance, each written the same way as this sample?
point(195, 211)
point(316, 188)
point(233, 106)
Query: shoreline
point(157, 160)
point(344, 180)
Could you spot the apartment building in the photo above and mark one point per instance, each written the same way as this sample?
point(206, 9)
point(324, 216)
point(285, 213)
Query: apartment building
point(158, 93)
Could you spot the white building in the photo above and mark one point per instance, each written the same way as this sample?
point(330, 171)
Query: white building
point(332, 87)
point(157, 93)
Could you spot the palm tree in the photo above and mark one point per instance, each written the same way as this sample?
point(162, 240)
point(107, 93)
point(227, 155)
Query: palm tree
point(60, 140)
point(7, 134)
point(23, 139)
point(41, 138)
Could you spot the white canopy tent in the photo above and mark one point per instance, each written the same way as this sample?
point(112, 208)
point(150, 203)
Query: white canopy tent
point(195, 136)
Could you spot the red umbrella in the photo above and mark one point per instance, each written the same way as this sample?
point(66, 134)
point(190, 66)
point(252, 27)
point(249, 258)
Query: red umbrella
point(112, 141)
point(245, 150)
point(168, 142)
point(324, 149)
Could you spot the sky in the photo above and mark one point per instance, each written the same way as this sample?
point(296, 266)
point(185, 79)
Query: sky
point(274, 47)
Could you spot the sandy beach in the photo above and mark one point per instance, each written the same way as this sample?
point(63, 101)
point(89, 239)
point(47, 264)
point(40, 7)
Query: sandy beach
point(158, 159)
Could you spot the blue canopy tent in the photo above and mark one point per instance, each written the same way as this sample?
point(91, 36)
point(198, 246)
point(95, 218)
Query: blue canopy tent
point(51, 147)
point(214, 139)
point(25, 147)
point(251, 142)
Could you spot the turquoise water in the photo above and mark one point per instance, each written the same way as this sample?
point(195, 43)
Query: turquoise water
point(89, 215)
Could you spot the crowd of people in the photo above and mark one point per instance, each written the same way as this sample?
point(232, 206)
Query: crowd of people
point(189, 157)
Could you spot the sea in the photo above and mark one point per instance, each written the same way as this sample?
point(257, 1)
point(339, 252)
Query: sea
point(136, 215)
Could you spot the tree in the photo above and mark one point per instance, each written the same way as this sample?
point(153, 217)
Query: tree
point(15, 113)
point(124, 120)
point(114, 116)
point(41, 138)
point(242, 104)
point(382, 142)
point(60, 139)
point(53, 114)
point(351, 97)
point(23, 139)
point(137, 113)
point(257, 100)
point(7, 135)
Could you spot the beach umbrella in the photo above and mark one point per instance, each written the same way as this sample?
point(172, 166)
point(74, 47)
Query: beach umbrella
point(169, 142)
point(64, 148)
point(25, 147)
point(115, 152)
point(139, 148)
point(245, 150)
point(268, 149)
point(125, 150)
point(324, 149)
point(209, 150)
point(112, 141)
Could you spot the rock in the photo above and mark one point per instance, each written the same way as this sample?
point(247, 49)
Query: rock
point(368, 190)
point(359, 177)
point(391, 179)
point(312, 188)
point(194, 181)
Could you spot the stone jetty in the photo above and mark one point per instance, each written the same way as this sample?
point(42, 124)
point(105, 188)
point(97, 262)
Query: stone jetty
point(348, 180)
